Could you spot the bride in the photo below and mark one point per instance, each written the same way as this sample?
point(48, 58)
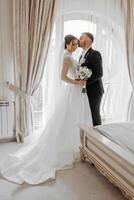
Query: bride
point(57, 146)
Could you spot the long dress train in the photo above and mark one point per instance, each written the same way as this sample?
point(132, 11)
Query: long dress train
point(57, 146)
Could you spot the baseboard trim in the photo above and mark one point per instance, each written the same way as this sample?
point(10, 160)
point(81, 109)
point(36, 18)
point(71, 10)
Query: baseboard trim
point(8, 139)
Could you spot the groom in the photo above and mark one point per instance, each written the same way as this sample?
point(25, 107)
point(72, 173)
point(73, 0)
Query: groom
point(93, 60)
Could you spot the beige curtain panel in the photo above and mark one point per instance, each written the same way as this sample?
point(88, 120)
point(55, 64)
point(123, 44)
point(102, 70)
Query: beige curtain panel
point(33, 22)
point(129, 33)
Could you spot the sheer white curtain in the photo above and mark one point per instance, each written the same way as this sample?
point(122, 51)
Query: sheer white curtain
point(110, 42)
point(51, 82)
point(107, 16)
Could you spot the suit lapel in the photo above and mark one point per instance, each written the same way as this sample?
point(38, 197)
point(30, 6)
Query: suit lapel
point(80, 57)
point(88, 53)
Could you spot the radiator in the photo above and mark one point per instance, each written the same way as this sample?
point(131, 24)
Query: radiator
point(7, 122)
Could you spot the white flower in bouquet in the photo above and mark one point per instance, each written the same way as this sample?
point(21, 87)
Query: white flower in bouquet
point(83, 73)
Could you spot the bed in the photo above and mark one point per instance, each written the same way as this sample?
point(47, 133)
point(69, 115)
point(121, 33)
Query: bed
point(114, 159)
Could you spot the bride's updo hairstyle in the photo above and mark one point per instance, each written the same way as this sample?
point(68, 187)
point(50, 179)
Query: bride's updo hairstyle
point(68, 39)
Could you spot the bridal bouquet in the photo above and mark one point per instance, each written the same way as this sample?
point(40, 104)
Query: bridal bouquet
point(83, 73)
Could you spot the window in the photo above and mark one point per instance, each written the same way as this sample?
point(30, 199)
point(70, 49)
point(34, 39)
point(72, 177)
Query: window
point(41, 98)
point(110, 45)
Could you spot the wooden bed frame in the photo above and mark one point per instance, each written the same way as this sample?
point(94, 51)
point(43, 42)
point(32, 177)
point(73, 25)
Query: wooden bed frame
point(114, 162)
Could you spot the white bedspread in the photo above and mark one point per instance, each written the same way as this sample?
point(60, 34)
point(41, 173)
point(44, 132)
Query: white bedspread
point(120, 133)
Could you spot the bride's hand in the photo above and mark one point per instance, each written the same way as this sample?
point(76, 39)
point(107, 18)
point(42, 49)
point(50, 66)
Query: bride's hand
point(83, 82)
point(80, 82)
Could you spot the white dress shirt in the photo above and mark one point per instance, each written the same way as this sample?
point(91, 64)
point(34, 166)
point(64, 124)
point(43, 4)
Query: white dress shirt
point(84, 53)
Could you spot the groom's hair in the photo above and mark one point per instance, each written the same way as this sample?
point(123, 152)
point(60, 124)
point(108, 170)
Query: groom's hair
point(90, 35)
point(68, 39)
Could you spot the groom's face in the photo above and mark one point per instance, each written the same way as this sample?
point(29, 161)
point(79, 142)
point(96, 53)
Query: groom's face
point(83, 41)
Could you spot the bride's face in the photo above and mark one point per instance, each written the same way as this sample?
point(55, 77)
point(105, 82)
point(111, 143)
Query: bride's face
point(72, 46)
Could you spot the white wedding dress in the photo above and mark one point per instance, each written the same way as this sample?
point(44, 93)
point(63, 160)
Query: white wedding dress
point(57, 145)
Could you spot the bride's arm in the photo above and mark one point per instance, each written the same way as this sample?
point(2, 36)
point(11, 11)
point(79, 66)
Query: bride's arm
point(66, 65)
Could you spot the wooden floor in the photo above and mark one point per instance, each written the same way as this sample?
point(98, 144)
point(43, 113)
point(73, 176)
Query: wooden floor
point(83, 182)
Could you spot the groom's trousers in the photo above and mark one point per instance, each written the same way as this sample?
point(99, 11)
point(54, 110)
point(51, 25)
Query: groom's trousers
point(94, 102)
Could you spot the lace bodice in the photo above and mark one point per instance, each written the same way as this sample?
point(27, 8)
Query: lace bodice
point(68, 60)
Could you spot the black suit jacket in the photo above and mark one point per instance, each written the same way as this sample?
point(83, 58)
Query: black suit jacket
point(93, 61)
